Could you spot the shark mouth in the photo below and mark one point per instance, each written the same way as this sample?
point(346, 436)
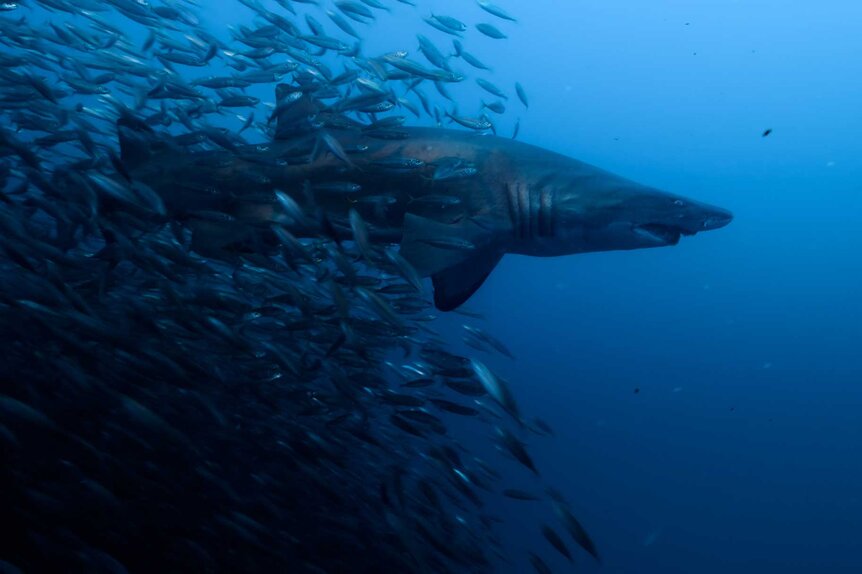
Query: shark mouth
point(661, 233)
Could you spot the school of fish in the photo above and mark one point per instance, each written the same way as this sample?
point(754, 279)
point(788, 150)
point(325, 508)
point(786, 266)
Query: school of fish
point(278, 409)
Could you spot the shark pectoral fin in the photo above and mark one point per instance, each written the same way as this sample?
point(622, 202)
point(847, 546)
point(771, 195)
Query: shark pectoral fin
point(453, 286)
point(431, 246)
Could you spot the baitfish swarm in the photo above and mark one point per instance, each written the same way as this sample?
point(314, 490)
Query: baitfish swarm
point(282, 407)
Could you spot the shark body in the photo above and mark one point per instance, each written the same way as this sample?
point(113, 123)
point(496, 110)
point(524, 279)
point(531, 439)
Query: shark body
point(454, 201)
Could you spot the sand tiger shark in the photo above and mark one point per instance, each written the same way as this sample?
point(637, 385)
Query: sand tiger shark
point(454, 201)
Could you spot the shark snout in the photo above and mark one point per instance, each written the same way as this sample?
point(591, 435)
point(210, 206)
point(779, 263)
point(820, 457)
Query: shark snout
point(692, 218)
point(717, 218)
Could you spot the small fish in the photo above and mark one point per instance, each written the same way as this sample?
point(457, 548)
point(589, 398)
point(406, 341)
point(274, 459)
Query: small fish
point(246, 123)
point(491, 88)
point(431, 53)
point(468, 313)
point(454, 408)
point(220, 82)
point(418, 383)
point(450, 243)
point(496, 107)
point(554, 539)
point(766, 132)
point(539, 565)
point(466, 388)
point(342, 23)
point(449, 169)
point(361, 235)
point(495, 387)
point(346, 187)
point(355, 11)
point(405, 269)
point(405, 425)
point(325, 42)
point(434, 23)
point(451, 23)
point(473, 61)
point(522, 94)
point(15, 410)
point(489, 339)
point(376, 4)
point(516, 449)
point(478, 124)
point(491, 31)
point(576, 531)
point(401, 400)
point(399, 163)
point(239, 102)
point(543, 426)
point(519, 494)
point(496, 10)
point(289, 206)
point(383, 309)
point(334, 146)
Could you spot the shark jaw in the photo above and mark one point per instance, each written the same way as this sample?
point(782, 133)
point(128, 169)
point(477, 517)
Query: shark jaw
point(659, 233)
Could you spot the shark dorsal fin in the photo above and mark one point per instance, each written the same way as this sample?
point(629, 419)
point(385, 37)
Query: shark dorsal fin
point(453, 286)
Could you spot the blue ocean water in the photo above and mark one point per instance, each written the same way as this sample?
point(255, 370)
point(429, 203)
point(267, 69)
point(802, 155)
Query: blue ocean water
point(705, 397)
point(741, 450)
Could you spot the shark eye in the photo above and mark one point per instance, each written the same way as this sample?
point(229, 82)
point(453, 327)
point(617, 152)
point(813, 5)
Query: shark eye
point(678, 202)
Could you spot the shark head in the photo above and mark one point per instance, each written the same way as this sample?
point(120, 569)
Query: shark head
point(654, 223)
point(597, 211)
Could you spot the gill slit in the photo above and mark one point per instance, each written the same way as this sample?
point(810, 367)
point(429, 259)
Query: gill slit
point(525, 201)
